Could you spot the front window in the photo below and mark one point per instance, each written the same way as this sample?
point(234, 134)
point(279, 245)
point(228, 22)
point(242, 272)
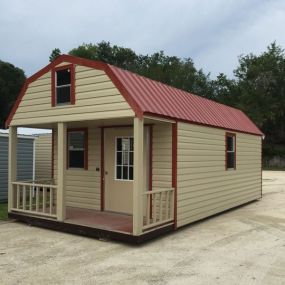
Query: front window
point(77, 149)
point(230, 151)
point(63, 86)
point(124, 158)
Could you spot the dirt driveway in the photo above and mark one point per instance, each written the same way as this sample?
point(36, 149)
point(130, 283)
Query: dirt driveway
point(242, 246)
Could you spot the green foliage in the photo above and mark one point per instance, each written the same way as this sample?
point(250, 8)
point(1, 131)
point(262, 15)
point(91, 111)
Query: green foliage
point(54, 54)
point(177, 72)
point(3, 211)
point(11, 81)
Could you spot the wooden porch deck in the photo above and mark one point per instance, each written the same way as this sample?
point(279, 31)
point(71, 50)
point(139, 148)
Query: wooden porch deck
point(101, 220)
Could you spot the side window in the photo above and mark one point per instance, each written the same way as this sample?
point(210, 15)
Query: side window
point(230, 151)
point(77, 149)
point(124, 158)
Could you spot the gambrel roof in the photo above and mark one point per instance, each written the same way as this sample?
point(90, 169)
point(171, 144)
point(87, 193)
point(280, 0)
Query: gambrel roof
point(150, 97)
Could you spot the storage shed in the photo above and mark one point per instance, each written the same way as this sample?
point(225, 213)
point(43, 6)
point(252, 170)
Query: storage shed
point(25, 163)
point(132, 158)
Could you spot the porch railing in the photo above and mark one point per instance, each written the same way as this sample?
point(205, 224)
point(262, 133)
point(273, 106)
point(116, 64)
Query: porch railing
point(35, 197)
point(159, 208)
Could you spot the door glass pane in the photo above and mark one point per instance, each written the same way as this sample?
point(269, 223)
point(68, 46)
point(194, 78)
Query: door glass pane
point(131, 158)
point(119, 158)
point(119, 144)
point(126, 144)
point(131, 144)
point(131, 173)
point(119, 172)
point(125, 158)
point(125, 172)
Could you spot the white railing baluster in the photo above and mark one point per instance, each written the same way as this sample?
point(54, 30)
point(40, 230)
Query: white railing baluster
point(44, 199)
point(37, 198)
point(162, 208)
point(166, 205)
point(18, 196)
point(148, 209)
point(50, 201)
point(32, 197)
point(24, 197)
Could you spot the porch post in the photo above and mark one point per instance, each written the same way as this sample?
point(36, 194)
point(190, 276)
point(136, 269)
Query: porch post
point(61, 166)
point(12, 162)
point(138, 176)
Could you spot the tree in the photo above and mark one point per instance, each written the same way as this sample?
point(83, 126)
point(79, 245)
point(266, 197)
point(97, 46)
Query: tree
point(261, 81)
point(54, 54)
point(11, 81)
point(172, 70)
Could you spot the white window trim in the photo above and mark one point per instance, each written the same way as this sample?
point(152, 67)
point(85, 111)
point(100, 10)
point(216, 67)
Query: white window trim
point(115, 172)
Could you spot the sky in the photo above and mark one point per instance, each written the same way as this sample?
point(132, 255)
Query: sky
point(212, 32)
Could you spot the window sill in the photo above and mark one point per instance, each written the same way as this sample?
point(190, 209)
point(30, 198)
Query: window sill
point(76, 168)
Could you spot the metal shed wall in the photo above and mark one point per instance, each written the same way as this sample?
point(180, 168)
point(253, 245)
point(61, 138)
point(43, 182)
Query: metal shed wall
point(25, 150)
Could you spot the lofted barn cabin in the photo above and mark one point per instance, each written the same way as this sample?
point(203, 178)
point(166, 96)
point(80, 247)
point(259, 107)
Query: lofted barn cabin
point(132, 158)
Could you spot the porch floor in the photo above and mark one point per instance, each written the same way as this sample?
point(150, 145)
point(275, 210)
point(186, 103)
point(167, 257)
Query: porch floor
point(98, 219)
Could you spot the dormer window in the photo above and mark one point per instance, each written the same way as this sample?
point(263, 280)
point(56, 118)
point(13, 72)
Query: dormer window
point(63, 86)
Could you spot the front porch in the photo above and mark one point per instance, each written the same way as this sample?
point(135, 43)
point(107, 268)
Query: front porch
point(53, 203)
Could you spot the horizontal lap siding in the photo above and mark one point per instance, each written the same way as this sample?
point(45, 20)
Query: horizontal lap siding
point(83, 186)
point(96, 98)
point(43, 156)
point(162, 156)
point(204, 186)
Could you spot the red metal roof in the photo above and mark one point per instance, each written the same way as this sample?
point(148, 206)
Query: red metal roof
point(147, 96)
point(157, 98)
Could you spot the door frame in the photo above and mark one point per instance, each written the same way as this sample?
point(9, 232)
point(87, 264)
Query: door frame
point(102, 157)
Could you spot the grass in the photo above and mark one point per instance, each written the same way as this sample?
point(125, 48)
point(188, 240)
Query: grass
point(3, 211)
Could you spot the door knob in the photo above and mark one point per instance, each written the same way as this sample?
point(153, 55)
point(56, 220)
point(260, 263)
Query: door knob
point(106, 172)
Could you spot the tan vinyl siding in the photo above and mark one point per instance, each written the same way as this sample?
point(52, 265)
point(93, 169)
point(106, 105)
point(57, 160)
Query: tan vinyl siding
point(96, 98)
point(43, 156)
point(162, 156)
point(83, 186)
point(204, 186)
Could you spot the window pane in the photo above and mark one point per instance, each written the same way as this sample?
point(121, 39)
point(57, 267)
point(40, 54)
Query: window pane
point(230, 160)
point(131, 173)
point(76, 140)
point(126, 144)
point(119, 158)
point(125, 172)
point(131, 158)
point(125, 158)
point(119, 144)
point(119, 172)
point(76, 158)
point(230, 143)
point(63, 95)
point(131, 144)
point(63, 77)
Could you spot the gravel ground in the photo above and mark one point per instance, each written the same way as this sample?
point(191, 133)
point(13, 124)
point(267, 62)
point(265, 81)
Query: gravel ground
point(242, 246)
